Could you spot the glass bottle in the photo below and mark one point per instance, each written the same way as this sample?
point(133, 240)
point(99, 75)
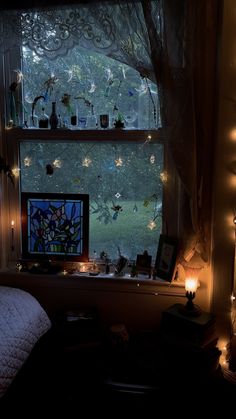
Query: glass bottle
point(43, 120)
point(53, 117)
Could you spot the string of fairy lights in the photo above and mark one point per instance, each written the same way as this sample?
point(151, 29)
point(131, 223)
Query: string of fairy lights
point(119, 162)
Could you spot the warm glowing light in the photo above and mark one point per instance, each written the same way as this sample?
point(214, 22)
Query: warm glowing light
point(232, 134)
point(164, 176)
point(86, 162)
point(119, 162)
point(57, 163)
point(191, 284)
point(12, 235)
point(16, 171)
point(151, 225)
point(27, 161)
point(232, 180)
point(82, 268)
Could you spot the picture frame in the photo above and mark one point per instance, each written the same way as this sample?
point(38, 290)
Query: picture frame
point(166, 258)
point(55, 227)
point(144, 264)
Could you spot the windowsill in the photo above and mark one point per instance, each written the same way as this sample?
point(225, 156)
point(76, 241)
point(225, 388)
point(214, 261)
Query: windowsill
point(108, 134)
point(100, 282)
point(113, 277)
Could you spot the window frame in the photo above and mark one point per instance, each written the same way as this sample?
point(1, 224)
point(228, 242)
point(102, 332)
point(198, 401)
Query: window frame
point(10, 203)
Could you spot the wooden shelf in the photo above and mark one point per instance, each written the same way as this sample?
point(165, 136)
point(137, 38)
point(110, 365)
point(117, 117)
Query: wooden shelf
point(18, 134)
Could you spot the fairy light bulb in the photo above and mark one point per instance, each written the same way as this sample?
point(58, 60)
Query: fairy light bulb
point(151, 225)
point(16, 171)
point(86, 162)
point(27, 161)
point(164, 176)
point(57, 163)
point(119, 162)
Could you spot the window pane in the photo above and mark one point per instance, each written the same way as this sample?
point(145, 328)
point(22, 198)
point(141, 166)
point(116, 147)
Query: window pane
point(94, 83)
point(123, 183)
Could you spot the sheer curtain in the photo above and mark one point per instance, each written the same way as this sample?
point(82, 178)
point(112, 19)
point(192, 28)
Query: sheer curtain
point(171, 42)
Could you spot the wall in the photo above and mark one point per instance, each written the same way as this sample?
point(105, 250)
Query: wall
point(136, 303)
point(224, 184)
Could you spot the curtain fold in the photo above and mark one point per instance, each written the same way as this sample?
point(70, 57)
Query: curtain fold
point(189, 97)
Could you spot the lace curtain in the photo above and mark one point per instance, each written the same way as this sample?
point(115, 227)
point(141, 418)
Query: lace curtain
point(171, 42)
point(116, 29)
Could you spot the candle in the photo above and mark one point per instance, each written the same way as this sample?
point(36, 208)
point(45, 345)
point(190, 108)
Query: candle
point(12, 234)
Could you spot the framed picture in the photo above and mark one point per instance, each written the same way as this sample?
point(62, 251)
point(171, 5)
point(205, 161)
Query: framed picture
point(55, 226)
point(166, 257)
point(143, 264)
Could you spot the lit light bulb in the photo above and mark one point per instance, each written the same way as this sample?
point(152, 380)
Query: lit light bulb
point(57, 163)
point(191, 284)
point(151, 225)
point(164, 177)
point(86, 162)
point(27, 161)
point(119, 162)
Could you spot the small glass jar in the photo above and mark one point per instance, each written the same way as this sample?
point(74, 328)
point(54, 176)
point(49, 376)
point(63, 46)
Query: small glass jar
point(43, 119)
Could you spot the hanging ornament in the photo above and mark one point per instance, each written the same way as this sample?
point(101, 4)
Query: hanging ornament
point(152, 159)
point(92, 87)
point(117, 209)
point(148, 139)
point(49, 169)
point(77, 181)
point(117, 195)
point(70, 75)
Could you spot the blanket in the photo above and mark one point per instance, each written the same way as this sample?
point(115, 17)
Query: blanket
point(22, 322)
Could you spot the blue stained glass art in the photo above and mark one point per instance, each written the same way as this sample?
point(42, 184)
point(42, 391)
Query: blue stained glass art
point(55, 226)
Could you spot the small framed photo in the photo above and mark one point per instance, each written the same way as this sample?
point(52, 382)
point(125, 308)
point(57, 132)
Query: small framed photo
point(166, 257)
point(144, 264)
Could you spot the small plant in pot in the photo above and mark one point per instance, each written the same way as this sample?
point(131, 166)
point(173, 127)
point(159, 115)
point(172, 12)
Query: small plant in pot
point(119, 121)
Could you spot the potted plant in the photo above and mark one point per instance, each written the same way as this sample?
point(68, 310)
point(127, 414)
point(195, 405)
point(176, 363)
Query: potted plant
point(119, 121)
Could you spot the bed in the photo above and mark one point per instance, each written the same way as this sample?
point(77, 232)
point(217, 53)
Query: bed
point(23, 322)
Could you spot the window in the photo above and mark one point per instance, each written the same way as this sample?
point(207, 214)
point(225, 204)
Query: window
point(123, 181)
point(120, 169)
point(86, 84)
